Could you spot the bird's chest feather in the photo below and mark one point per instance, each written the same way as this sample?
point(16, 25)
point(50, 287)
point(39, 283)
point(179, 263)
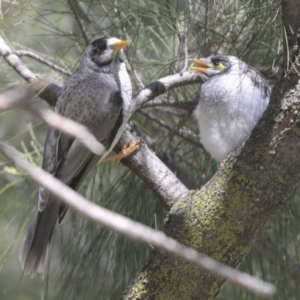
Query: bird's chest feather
point(231, 102)
point(90, 99)
point(228, 109)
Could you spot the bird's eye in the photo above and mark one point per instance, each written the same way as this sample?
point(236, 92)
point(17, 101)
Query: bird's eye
point(99, 50)
point(219, 65)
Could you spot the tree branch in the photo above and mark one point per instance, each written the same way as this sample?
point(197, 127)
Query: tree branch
point(232, 209)
point(132, 229)
point(42, 60)
point(14, 61)
point(153, 172)
point(163, 85)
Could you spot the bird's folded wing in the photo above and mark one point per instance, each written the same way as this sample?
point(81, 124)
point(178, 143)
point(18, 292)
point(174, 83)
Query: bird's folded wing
point(49, 163)
point(73, 162)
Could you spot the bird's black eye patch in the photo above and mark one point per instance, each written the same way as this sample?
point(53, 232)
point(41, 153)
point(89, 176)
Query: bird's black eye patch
point(100, 45)
point(97, 54)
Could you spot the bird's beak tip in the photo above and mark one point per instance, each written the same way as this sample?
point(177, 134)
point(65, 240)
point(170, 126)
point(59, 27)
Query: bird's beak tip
point(201, 67)
point(196, 69)
point(194, 60)
point(200, 63)
point(119, 45)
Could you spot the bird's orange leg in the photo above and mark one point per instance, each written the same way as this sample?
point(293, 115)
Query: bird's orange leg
point(126, 150)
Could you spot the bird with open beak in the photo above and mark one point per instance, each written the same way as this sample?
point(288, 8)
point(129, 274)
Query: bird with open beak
point(232, 99)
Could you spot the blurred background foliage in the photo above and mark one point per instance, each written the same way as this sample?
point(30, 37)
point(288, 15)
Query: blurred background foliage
point(88, 262)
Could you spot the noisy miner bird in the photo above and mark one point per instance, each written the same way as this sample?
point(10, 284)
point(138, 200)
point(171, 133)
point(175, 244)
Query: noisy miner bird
point(232, 99)
point(98, 95)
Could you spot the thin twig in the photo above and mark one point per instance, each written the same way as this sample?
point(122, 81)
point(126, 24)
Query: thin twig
point(117, 21)
point(172, 19)
point(188, 136)
point(42, 60)
point(1, 14)
point(185, 36)
point(132, 229)
point(273, 255)
point(72, 5)
point(14, 61)
point(87, 16)
point(271, 73)
point(172, 111)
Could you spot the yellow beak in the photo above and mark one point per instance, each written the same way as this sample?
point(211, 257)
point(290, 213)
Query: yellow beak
point(119, 45)
point(201, 66)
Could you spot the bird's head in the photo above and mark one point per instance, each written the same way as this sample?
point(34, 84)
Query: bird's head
point(214, 65)
point(102, 52)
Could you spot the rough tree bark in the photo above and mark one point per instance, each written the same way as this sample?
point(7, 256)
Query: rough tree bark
point(225, 217)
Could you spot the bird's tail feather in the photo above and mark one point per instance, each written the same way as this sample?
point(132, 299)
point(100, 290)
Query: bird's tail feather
point(34, 249)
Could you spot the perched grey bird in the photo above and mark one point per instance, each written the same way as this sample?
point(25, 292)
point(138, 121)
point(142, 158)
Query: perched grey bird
point(232, 99)
point(98, 95)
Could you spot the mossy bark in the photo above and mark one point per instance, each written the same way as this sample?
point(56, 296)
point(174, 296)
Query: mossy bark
point(230, 211)
point(226, 216)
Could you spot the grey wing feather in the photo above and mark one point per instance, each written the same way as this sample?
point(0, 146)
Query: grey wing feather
point(76, 169)
point(34, 248)
point(73, 162)
point(49, 163)
point(69, 161)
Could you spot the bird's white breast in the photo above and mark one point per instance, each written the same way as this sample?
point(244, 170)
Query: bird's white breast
point(124, 83)
point(229, 108)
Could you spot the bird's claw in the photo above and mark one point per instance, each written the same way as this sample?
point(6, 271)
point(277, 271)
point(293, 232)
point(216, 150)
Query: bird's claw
point(127, 149)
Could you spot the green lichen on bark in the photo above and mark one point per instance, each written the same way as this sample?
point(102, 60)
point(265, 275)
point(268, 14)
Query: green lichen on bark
point(231, 210)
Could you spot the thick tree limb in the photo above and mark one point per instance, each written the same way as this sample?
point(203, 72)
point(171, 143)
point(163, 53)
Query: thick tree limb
point(232, 209)
point(153, 172)
point(132, 229)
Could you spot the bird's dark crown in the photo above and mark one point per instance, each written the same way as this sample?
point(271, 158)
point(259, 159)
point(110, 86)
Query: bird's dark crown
point(100, 43)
